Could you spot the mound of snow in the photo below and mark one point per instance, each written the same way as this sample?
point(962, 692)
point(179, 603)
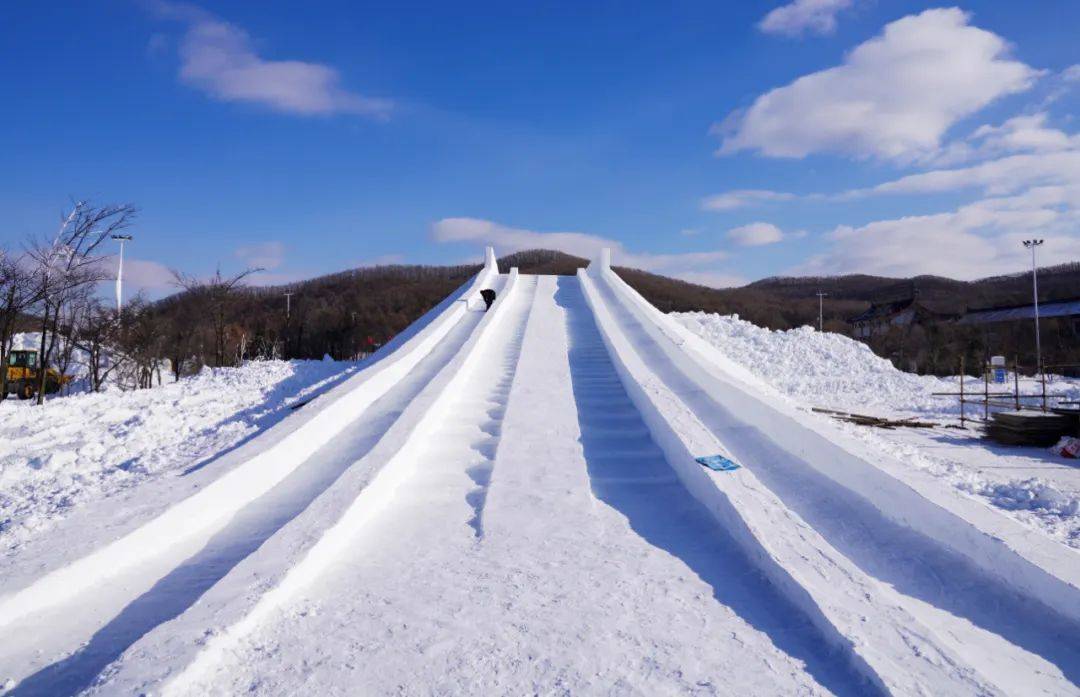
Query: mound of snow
point(87, 446)
point(822, 369)
point(831, 370)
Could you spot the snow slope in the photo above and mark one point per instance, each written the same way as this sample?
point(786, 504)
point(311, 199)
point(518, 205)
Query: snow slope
point(508, 503)
point(125, 568)
point(83, 447)
point(529, 552)
point(959, 574)
point(833, 371)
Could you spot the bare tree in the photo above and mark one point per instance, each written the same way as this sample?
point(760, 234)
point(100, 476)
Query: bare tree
point(69, 316)
point(65, 263)
point(215, 294)
point(97, 335)
point(142, 342)
point(17, 293)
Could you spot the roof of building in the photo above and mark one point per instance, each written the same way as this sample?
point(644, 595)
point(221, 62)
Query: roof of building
point(1056, 308)
point(884, 310)
point(879, 310)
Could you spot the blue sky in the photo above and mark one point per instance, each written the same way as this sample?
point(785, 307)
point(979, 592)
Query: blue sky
point(715, 141)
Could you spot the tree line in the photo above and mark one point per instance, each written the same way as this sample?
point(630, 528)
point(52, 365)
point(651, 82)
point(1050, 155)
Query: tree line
point(51, 286)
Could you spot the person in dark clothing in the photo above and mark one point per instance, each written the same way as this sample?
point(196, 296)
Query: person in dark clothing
point(489, 297)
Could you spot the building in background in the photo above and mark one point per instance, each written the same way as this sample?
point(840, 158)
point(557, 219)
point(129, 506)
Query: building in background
point(879, 318)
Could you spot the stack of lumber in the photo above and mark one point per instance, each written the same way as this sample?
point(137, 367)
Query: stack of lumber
point(876, 421)
point(1027, 427)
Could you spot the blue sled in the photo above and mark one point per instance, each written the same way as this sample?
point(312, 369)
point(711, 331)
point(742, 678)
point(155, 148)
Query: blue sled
point(718, 463)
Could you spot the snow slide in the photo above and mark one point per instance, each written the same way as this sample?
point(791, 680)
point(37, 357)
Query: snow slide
point(968, 587)
point(536, 539)
point(520, 512)
point(83, 612)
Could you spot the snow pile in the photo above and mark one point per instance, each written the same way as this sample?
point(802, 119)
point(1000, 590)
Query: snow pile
point(834, 371)
point(822, 369)
point(1030, 495)
point(87, 446)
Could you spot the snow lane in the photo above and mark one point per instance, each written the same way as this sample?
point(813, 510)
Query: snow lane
point(136, 602)
point(504, 520)
point(1031, 645)
point(181, 651)
point(558, 594)
point(56, 575)
point(1034, 565)
point(629, 472)
point(438, 511)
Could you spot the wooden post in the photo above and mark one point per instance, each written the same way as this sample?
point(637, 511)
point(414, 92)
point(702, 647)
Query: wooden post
point(986, 392)
point(962, 392)
point(1042, 371)
point(1016, 380)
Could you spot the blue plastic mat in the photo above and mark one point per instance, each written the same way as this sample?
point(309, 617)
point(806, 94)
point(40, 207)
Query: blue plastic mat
point(718, 463)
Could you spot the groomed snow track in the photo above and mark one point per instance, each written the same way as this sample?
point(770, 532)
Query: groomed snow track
point(508, 502)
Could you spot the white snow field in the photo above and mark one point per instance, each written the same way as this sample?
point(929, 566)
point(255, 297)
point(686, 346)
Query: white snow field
point(81, 448)
point(832, 371)
point(508, 502)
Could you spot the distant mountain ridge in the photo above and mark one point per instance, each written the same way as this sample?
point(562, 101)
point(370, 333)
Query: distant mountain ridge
point(1055, 282)
point(348, 313)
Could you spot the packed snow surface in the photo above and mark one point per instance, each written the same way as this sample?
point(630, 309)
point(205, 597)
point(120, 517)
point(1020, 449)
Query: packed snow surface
point(535, 555)
point(82, 447)
point(510, 504)
point(833, 371)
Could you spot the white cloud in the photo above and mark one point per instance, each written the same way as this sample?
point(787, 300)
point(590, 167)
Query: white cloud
point(713, 280)
point(1025, 133)
point(140, 276)
point(893, 97)
point(264, 255)
point(1035, 192)
point(1005, 175)
point(738, 198)
point(218, 59)
point(803, 16)
point(1071, 74)
point(508, 239)
point(755, 234)
point(975, 240)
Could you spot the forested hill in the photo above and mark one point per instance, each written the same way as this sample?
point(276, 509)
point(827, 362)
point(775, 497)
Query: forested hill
point(348, 313)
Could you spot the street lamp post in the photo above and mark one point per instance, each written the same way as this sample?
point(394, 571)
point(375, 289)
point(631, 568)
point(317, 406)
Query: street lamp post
point(821, 310)
point(120, 271)
point(1032, 244)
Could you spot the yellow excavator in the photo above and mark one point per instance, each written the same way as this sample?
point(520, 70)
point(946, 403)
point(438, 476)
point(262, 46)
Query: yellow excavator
point(23, 375)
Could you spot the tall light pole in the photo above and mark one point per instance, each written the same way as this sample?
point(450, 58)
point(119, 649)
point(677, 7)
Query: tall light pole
point(120, 271)
point(1032, 244)
point(288, 304)
point(821, 310)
